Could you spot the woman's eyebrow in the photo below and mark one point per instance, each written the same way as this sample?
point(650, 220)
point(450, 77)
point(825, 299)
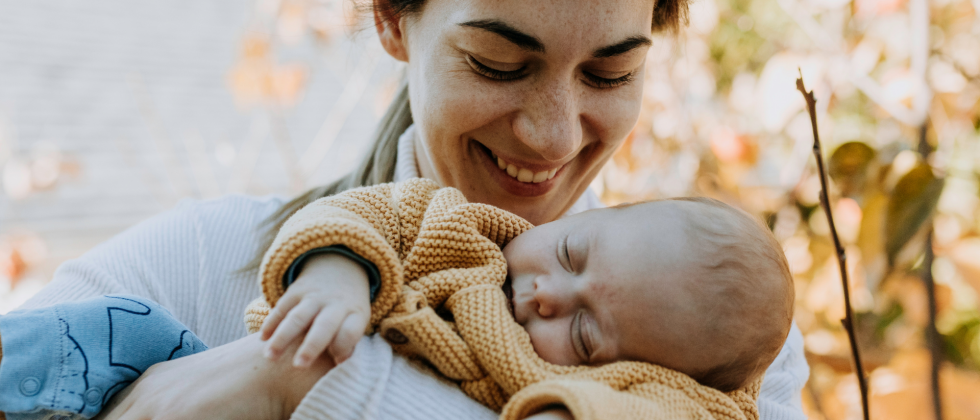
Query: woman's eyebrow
point(533, 44)
point(623, 46)
point(512, 34)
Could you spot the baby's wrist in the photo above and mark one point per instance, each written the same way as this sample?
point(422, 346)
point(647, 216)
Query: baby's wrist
point(336, 274)
point(333, 268)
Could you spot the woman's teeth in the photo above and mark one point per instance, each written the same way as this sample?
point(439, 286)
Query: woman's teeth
point(525, 175)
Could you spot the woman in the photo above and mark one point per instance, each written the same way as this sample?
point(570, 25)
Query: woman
point(517, 104)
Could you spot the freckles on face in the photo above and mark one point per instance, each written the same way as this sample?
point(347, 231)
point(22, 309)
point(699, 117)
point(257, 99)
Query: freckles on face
point(550, 120)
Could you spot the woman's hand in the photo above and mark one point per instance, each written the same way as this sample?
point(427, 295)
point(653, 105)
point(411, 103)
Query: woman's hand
point(329, 302)
point(233, 381)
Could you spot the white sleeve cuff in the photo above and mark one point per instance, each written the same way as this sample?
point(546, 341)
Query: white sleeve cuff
point(780, 396)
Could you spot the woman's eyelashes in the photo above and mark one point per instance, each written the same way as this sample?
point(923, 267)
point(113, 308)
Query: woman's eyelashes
point(604, 83)
point(493, 73)
point(506, 75)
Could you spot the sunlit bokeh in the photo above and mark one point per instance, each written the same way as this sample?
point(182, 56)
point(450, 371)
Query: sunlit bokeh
point(110, 118)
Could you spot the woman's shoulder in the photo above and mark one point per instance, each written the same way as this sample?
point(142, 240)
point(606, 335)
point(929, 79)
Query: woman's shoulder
point(234, 219)
point(237, 206)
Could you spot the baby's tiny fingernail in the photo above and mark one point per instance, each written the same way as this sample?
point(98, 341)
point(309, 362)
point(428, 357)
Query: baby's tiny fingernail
point(301, 361)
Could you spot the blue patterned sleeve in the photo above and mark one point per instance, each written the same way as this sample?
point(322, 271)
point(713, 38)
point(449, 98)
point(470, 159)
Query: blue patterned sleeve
point(70, 358)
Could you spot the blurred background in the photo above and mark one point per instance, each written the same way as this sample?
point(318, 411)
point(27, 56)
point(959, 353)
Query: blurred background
point(112, 111)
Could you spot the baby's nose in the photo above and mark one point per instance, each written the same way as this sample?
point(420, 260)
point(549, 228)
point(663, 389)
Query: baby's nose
point(551, 300)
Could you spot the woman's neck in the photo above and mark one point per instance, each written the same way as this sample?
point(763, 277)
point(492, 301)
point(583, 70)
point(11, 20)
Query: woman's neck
point(423, 159)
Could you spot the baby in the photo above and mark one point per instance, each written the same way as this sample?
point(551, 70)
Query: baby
point(688, 284)
point(692, 285)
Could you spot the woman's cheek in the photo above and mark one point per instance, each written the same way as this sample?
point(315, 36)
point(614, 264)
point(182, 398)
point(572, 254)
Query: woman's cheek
point(613, 113)
point(470, 101)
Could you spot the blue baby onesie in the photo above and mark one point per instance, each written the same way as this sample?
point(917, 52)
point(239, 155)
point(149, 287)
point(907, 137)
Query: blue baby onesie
point(67, 360)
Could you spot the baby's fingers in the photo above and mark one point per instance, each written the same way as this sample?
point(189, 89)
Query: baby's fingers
point(277, 314)
point(320, 335)
point(350, 333)
point(292, 326)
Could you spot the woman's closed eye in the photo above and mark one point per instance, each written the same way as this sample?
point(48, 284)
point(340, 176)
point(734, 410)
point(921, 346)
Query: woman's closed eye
point(492, 72)
point(605, 83)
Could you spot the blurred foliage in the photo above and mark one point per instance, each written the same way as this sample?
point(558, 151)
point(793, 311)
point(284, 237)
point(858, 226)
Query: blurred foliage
point(722, 118)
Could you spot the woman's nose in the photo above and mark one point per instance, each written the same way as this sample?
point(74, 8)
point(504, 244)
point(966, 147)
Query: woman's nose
point(549, 122)
point(552, 301)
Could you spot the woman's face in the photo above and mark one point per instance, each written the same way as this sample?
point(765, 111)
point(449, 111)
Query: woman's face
point(519, 103)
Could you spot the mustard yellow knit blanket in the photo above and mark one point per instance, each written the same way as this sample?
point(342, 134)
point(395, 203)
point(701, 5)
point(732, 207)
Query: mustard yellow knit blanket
point(435, 251)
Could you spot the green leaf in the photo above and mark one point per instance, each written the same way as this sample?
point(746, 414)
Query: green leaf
point(911, 203)
point(848, 166)
point(871, 237)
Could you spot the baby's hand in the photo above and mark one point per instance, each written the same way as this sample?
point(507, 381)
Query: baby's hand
point(329, 302)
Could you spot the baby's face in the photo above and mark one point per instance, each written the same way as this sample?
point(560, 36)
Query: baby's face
point(609, 285)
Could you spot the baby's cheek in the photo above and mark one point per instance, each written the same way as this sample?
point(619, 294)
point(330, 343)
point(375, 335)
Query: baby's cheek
point(552, 342)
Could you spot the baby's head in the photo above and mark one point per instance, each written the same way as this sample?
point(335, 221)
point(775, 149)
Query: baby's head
point(691, 284)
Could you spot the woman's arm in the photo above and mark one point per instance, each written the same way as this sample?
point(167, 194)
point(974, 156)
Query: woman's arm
point(186, 259)
point(70, 358)
point(232, 381)
point(157, 259)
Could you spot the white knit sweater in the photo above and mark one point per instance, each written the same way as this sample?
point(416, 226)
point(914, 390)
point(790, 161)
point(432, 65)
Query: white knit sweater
point(187, 260)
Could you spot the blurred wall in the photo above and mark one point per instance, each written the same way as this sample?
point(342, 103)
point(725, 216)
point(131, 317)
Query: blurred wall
point(112, 111)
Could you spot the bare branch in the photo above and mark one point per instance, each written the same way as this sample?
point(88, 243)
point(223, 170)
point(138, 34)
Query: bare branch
point(933, 339)
point(848, 321)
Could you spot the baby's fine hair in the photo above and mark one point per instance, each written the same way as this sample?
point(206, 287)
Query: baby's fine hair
point(745, 269)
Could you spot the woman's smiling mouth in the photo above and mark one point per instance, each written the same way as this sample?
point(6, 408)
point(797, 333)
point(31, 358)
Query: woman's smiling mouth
point(522, 174)
point(517, 178)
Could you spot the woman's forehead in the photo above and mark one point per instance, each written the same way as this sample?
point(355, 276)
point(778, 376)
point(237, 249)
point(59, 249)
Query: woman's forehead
point(588, 24)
